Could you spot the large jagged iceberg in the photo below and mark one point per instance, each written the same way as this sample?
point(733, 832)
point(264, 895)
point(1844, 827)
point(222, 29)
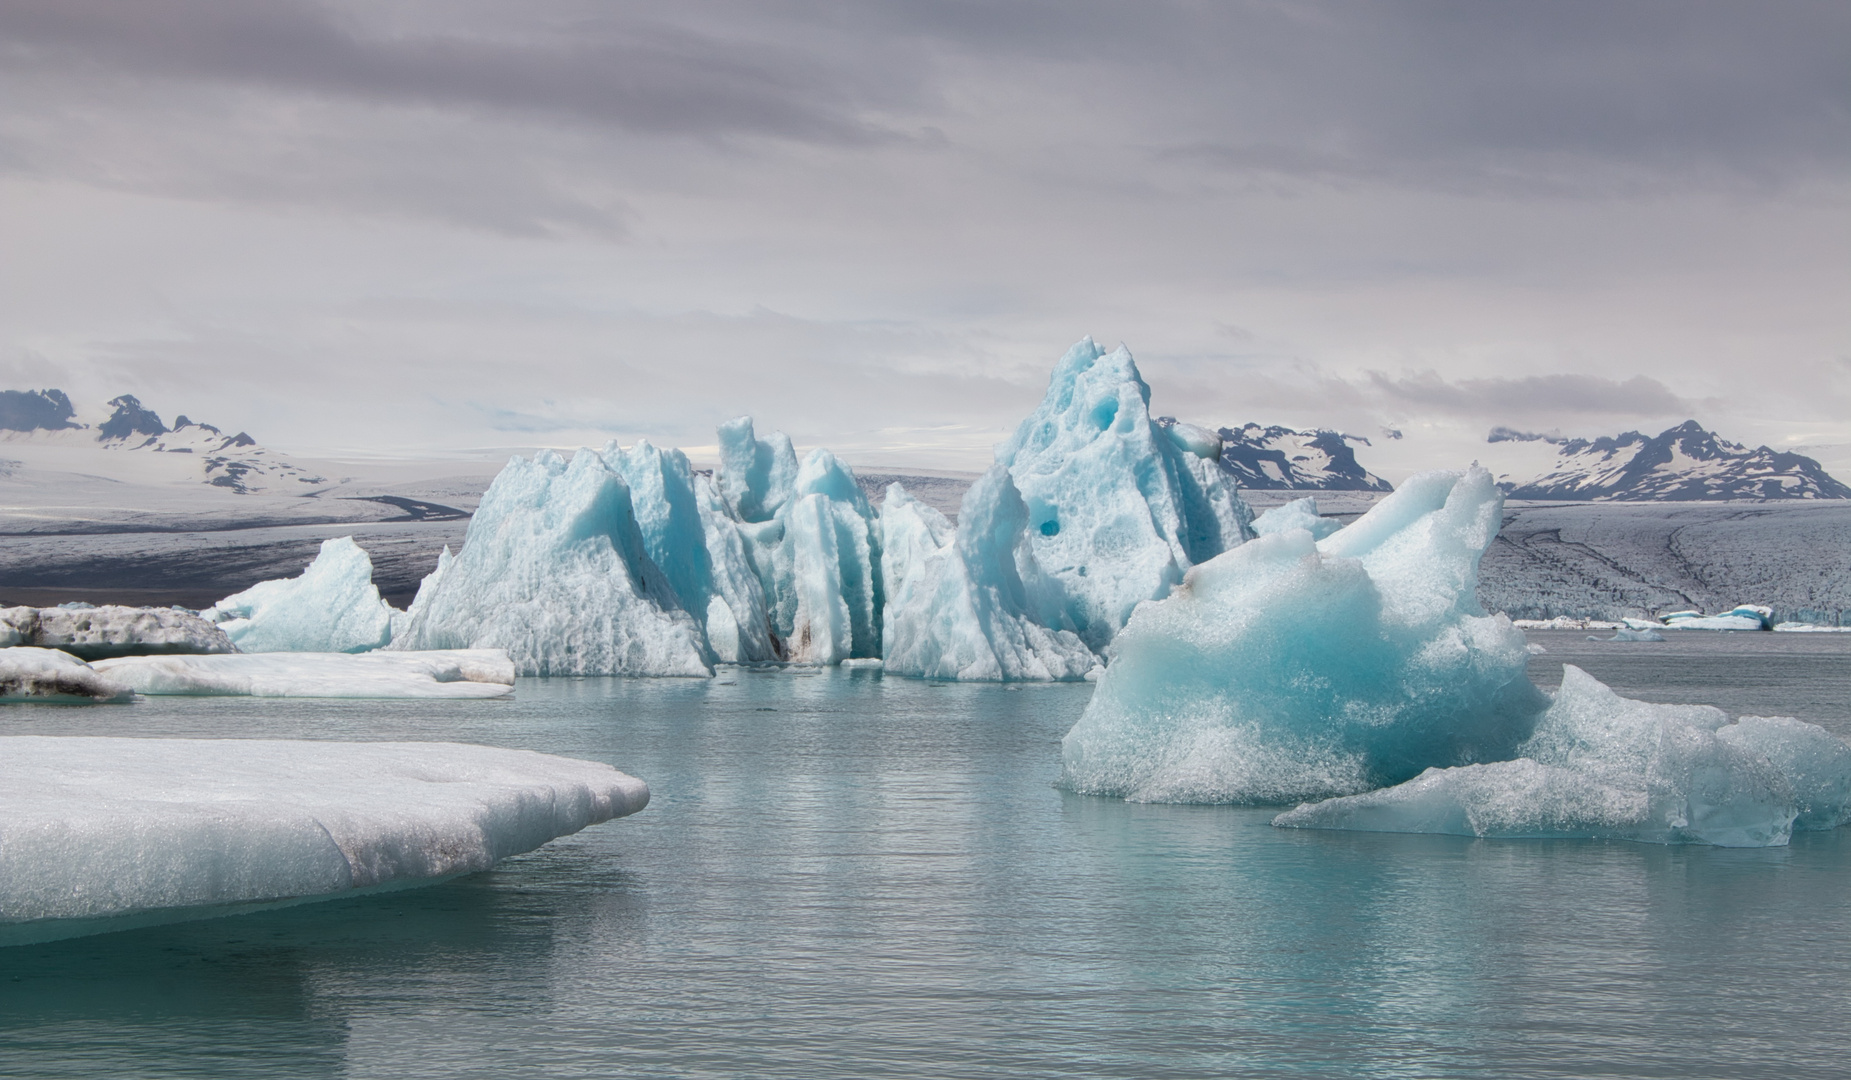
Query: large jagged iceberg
point(458, 673)
point(1600, 765)
point(100, 834)
point(1119, 507)
point(555, 571)
point(332, 606)
point(29, 673)
point(974, 604)
point(1290, 668)
point(813, 541)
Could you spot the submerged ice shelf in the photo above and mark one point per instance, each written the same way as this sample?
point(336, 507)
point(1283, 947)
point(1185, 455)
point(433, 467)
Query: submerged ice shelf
point(100, 834)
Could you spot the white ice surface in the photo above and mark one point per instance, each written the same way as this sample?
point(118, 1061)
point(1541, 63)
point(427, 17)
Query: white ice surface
point(973, 606)
point(104, 833)
point(554, 570)
point(1297, 514)
point(1603, 766)
point(332, 606)
point(1118, 509)
point(1286, 670)
point(456, 673)
point(28, 673)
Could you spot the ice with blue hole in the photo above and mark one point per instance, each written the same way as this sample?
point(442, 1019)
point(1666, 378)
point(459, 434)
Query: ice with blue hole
point(332, 606)
point(1119, 507)
point(1291, 668)
point(973, 604)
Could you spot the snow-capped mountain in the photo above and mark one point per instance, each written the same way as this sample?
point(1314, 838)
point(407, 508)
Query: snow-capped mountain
point(1684, 463)
point(235, 462)
point(1276, 458)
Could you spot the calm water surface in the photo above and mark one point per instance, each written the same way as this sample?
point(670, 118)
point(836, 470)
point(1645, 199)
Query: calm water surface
point(845, 875)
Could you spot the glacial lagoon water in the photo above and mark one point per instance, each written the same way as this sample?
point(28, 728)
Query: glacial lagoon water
point(849, 875)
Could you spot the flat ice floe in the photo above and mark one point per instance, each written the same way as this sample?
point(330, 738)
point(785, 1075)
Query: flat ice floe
point(446, 673)
point(33, 674)
point(100, 834)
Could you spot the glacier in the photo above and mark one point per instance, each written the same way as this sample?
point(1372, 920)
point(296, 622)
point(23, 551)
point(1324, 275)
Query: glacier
point(554, 570)
point(29, 673)
point(972, 604)
point(1602, 766)
point(1119, 507)
point(455, 673)
point(93, 633)
point(332, 606)
point(101, 834)
point(1291, 668)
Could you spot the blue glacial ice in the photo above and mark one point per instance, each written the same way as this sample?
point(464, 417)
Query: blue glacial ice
point(100, 834)
point(972, 604)
point(554, 570)
point(1119, 507)
point(1603, 766)
point(1292, 669)
point(814, 542)
point(332, 606)
point(1297, 514)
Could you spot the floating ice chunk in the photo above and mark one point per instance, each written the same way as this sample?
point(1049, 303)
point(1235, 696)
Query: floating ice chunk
point(1287, 670)
point(1118, 509)
point(104, 834)
point(1297, 514)
point(458, 673)
point(1742, 617)
point(1627, 633)
point(974, 608)
point(33, 674)
point(553, 570)
point(1561, 622)
point(92, 633)
point(1599, 765)
point(332, 606)
point(1810, 628)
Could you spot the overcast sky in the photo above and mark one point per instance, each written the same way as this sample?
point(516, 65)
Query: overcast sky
point(424, 227)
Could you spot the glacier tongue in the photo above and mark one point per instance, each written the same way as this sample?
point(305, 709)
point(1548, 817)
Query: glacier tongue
point(1118, 509)
point(555, 571)
point(332, 606)
point(100, 834)
point(1287, 669)
point(972, 605)
point(1600, 765)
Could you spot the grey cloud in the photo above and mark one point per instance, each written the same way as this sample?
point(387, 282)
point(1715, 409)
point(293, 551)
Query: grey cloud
point(1545, 394)
point(627, 68)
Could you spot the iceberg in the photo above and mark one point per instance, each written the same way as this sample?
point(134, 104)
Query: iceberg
point(92, 633)
point(1627, 633)
point(811, 537)
point(100, 834)
point(554, 570)
point(974, 604)
point(689, 535)
point(1119, 508)
point(1290, 669)
point(1297, 514)
point(1602, 766)
point(1741, 617)
point(456, 673)
point(332, 606)
point(28, 673)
